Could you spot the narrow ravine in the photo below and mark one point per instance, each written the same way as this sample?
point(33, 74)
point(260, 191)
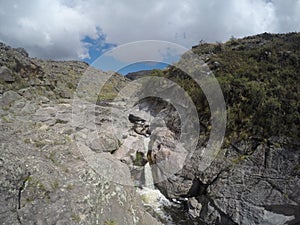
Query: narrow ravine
point(134, 152)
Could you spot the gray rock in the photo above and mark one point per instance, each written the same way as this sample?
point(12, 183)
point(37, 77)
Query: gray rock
point(43, 99)
point(104, 142)
point(250, 183)
point(29, 108)
point(249, 191)
point(6, 74)
point(18, 105)
point(96, 145)
point(2, 89)
point(57, 172)
point(194, 207)
point(46, 180)
point(142, 129)
point(130, 148)
point(8, 98)
point(167, 157)
point(11, 182)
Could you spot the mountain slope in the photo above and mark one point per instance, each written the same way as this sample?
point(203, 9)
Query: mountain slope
point(259, 77)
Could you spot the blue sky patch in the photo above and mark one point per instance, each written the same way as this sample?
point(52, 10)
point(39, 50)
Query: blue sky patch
point(96, 47)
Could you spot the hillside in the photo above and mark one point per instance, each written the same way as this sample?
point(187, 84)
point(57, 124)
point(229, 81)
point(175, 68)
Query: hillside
point(259, 77)
point(53, 79)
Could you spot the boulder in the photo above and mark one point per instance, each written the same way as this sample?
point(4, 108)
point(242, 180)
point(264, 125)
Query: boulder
point(194, 207)
point(103, 142)
point(8, 98)
point(6, 74)
point(167, 158)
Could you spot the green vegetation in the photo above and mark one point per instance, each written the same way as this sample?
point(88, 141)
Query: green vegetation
point(259, 77)
point(59, 121)
point(297, 168)
point(6, 119)
point(110, 222)
point(157, 73)
point(39, 143)
point(36, 189)
point(240, 159)
point(54, 185)
point(139, 159)
point(53, 159)
point(75, 217)
point(70, 187)
point(27, 141)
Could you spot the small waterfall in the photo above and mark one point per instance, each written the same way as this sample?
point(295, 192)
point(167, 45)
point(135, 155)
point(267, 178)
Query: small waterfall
point(149, 183)
point(154, 199)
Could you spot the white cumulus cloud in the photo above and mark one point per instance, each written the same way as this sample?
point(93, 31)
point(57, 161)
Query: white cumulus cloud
point(55, 28)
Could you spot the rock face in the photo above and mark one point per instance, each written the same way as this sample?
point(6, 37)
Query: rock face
point(46, 180)
point(251, 183)
point(54, 169)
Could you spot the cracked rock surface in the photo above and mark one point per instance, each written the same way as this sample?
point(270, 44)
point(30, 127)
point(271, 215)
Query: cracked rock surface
point(45, 173)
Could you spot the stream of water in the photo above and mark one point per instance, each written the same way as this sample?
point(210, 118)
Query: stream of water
point(168, 212)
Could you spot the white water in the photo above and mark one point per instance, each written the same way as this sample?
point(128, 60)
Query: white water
point(154, 199)
point(151, 196)
point(149, 183)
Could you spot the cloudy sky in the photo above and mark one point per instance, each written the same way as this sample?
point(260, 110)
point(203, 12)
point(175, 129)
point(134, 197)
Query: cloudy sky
point(84, 29)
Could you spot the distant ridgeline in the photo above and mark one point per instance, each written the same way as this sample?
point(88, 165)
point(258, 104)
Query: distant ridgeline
point(260, 79)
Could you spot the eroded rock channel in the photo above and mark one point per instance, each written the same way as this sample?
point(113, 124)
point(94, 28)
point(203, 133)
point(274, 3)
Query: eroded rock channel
point(148, 147)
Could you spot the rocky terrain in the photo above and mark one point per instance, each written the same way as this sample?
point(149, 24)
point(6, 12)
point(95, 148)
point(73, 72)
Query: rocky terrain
point(74, 154)
point(45, 177)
